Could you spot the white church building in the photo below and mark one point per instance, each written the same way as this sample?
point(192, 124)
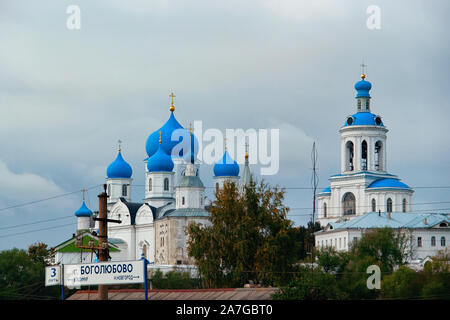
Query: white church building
point(364, 184)
point(174, 197)
point(364, 196)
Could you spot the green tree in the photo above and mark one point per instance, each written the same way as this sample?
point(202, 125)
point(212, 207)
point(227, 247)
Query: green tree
point(310, 284)
point(437, 277)
point(249, 238)
point(402, 284)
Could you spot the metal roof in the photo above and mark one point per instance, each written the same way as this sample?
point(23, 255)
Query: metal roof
point(181, 294)
point(396, 220)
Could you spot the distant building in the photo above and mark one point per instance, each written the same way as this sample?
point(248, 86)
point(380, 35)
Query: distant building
point(426, 234)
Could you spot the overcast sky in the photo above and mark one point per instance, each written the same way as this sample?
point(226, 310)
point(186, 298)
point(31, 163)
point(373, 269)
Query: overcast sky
point(67, 96)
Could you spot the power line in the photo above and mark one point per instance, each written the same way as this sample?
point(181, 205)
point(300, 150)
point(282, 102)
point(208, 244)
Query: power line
point(36, 230)
point(36, 222)
point(45, 199)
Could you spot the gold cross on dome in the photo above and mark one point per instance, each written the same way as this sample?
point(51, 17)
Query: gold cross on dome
point(172, 108)
point(119, 142)
point(83, 191)
point(160, 133)
point(363, 70)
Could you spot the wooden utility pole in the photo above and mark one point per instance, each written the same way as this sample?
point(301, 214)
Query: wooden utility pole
point(103, 251)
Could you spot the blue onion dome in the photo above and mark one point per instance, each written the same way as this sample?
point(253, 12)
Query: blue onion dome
point(364, 119)
point(119, 168)
point(171, 128)
point(226, 167)
point(363, 87)
point(83, 211)
point(160, 161)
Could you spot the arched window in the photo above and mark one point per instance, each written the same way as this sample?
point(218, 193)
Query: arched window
point(324, 210)
point(442, 241)
point(150, 184)
point(166, 184)
point(433, 241)
point(364, 155)
point(349, 204)
point(374, 205)
point(217, 187)
point(349, 156)
point(379, 156)
point(109, 190)
point(124, 190)
point(404, 205)
point(182, 200)
point(419, 241)
point(389, 205)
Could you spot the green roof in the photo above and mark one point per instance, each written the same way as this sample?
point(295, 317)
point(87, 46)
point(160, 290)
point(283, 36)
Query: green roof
point(69, 245)
point(187, 212)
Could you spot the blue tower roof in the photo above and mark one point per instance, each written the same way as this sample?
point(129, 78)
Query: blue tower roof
point(388, 183)
point(167, 130)
point(83, 211)
point(364, 119)
point(226, 167)
point(119, 168)
point(363, 87)
point(160, 161)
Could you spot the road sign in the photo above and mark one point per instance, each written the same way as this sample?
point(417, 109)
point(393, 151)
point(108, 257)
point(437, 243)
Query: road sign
point(117, 272)
point(53, 276)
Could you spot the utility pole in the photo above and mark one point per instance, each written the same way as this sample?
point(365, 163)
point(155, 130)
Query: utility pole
point(103, 251)
point(314, 185)
point(102, 248)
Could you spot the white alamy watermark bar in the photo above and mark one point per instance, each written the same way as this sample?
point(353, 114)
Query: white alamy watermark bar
point(210, 144)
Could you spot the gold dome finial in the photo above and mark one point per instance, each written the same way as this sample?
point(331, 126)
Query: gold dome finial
point(363, 70)
point(119, 142)
point(160, 140)
point(246, 150)
point(172, 107)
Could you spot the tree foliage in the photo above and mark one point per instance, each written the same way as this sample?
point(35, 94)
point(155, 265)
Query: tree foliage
point(22, 274)
point(249, 238)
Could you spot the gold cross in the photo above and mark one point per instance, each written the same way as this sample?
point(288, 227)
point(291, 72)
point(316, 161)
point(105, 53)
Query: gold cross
point(363, 74)
point(119, 142)
point(225, 143)
point(172, 108)
point(160, 137)
point(83, 191)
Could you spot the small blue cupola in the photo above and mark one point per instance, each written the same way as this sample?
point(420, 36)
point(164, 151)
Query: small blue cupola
point(226, 167)
point(363, 87)
point(83, 211)
point(160, 161)
point(119, 168)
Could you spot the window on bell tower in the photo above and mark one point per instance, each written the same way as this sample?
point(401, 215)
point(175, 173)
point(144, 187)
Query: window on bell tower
point(364, 155)
point(379, 156)
point(349, 156)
